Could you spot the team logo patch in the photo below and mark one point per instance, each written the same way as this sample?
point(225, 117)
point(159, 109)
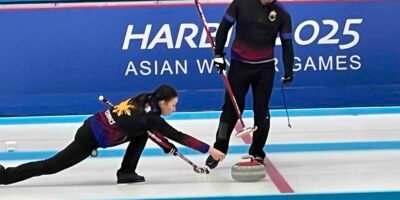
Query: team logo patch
point(272, 16)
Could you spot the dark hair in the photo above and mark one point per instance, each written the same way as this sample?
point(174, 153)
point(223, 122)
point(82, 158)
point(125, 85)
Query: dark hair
point(163, 92)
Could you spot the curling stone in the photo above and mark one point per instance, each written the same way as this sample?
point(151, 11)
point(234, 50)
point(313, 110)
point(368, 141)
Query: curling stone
point(248, 171)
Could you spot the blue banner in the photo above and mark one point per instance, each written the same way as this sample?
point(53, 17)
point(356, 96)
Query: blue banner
point(58, 60)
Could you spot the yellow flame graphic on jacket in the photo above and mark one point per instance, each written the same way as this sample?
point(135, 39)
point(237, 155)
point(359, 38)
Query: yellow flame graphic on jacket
point(123, 108)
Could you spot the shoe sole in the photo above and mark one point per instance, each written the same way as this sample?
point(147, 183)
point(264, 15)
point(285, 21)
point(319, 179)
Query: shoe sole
point(131, 182)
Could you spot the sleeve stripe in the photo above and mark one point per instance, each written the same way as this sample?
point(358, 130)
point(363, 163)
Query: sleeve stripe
point(229, 18)
point(286, 36)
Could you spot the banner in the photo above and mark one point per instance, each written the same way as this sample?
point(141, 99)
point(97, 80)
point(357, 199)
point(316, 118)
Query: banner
point(58, 60)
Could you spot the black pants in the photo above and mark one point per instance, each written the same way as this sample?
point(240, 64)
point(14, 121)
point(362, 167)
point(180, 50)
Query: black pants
point(74, 153)
point(241, 76)
point(133, 153)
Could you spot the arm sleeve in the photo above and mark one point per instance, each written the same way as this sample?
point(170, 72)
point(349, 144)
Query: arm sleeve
point(222, 35)
point(287, 45)
point(227, 22)
point(158, 125)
